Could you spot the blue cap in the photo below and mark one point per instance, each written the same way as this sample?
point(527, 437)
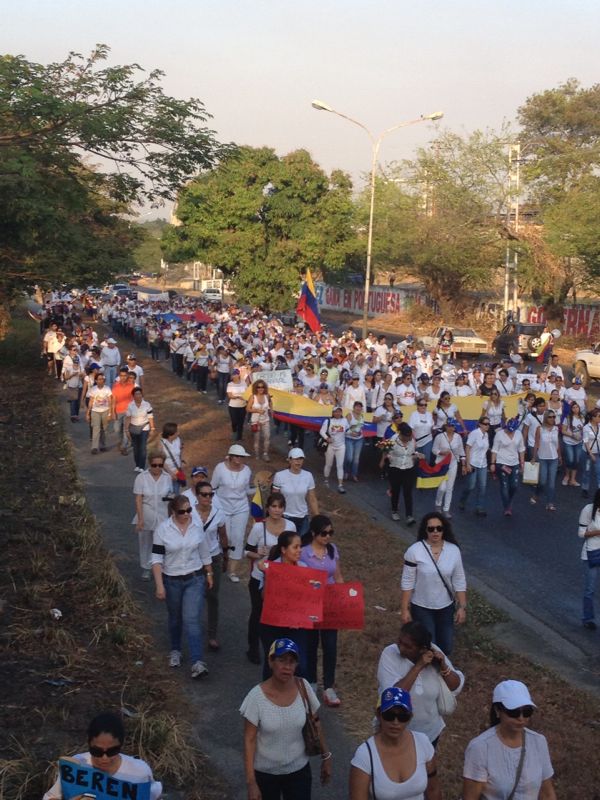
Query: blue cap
point(199, 471)
point(452, 421)
point(512, 424)
point(282, 646)
point(395, 698)
point(577, 379)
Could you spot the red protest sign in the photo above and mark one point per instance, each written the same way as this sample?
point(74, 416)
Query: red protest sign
point(293, 596)
point(343, 607)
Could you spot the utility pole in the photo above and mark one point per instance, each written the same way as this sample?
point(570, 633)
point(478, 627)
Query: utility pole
point(514, 185)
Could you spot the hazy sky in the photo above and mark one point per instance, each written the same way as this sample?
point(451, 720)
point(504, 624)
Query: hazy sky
point(257, 65)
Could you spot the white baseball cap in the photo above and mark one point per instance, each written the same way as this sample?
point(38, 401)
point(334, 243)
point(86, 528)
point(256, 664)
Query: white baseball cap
point(296, 452)
point(237, 450)
point(512, 694)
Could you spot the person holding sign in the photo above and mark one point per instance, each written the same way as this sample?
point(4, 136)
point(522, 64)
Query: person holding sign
point(262, 537)
point(105, 736)
point(275, 712)
point(396, 763)
point(322, 554)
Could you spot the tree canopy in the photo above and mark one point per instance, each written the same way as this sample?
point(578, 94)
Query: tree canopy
point(79, 143)
point(263, 220)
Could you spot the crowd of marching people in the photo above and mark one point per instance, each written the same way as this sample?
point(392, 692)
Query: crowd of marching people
point(402, 406)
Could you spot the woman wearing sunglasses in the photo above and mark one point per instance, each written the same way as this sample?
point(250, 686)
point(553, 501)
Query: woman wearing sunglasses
point(322, 554)
point(181, 564)
point(152, 491)
point(396, 763)
point(105, 736)
point(433, 586)
point(546, 450)
point(509, 760)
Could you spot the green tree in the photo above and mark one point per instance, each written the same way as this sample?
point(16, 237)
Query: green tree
point(263, 220)
point(61, 216)
point(561, 150)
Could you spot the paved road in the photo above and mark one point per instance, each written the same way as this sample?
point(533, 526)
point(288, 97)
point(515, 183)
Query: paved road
point(108, 481)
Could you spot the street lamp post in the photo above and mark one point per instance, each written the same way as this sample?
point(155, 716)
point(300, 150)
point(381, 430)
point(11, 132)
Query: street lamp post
point(375, 145)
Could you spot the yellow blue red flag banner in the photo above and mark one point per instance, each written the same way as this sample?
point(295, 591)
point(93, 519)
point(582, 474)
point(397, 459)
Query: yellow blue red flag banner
point(308, 307)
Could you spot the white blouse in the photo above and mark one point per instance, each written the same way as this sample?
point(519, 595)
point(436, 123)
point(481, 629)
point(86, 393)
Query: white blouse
point(420, 576)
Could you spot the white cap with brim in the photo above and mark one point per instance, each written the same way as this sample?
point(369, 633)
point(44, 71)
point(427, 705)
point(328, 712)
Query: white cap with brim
point(237, 450)
point(296, 452)
point(512, 694)
point(111, 341)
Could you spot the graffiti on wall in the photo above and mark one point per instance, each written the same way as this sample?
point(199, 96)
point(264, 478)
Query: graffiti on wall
point(382, 299)
point(577, 320)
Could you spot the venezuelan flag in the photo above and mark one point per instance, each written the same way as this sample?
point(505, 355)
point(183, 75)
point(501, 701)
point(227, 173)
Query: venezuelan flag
point(431, 477)
point(308, 308)
point(256, 507)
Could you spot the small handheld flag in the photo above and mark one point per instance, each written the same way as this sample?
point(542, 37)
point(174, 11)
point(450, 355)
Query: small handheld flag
point(308, 307)
point(431, 477)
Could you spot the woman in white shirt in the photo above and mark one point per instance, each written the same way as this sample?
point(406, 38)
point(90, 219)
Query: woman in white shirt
point(591, 447)
point(547, 451)
point(354, 393)
point(507, 461)
point(333, 430)
point(237, 405)
point(139, 424)
point(433, 585)
point(493, 408)
point(259, 407)
point(180, 561)
point(476, 466)
point(572, 440)
point(354, 440)
point(421, 422)
point(382, 416)
point(172, 447)
point(231, 481)
point(396, 763)
point(223, 363)
point(589, 531)
point(418, 666)
point(448, 442)
point(401, 459)
point(509, 760)
point(152, 493)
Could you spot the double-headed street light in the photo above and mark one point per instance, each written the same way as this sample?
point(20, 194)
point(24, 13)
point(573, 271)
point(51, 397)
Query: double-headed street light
point(375, 143)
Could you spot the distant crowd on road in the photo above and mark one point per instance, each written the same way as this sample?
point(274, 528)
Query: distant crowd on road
point(189, 537)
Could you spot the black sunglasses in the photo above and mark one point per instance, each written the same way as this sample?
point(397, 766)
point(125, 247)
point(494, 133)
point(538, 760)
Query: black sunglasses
point(110, 752)
point(183, 511)
point(484, 422)
point(206, 494)
point(327, 533)
point(400, 714)
point(515, 713)
point(157, 465)
point(435, 529)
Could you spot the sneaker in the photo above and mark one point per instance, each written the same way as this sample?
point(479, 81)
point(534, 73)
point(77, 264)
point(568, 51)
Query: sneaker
point(565, 481)
point(175, 658)
point(266, 457)
point(550, 507)
point(199, 669)
point(341, 489)
point(95, 451)
point(326, 482)
point(574, 483)
point(146, 574)
point(533, 500)
point(410, 520)
point(448, 515)
point(590, 625)
point(331, 698)
point(395, 516)
point(290, 443)
point(508, 512)
point(204, 391)
point(138, 469)
point(233, 578)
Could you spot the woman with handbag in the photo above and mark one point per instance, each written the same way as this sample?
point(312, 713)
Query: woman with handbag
point(396, 763)
point(589, 531)
point(280, 720)
point(172, 447)
point(433, 585)
point(448, 442)
point(420, 667)
point(259, 407)
point(262, 537)
point(508, 760)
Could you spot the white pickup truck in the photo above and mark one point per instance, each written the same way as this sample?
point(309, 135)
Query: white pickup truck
point(587, 364)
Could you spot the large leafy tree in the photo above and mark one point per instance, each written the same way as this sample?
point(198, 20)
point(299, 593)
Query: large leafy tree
point(263, 220)
point(79, 142)
point(561, 153)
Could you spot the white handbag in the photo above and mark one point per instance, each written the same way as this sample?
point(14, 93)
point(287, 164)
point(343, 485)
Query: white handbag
point(531, 473)
point(446, 701)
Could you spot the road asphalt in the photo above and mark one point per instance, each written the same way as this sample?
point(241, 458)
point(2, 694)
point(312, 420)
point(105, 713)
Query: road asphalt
point(527, 566)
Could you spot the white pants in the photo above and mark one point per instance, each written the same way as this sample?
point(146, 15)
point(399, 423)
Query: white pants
point(443, 497)
point(338, 453)
point(145, 545)
point(235, 525)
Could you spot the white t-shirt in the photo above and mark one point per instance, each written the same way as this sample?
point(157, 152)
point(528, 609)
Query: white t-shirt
point(237, 390)
point(577, 393)
point(479, 443)
point(154, 508)
point(336, 430)
point(280, 747)
point(386, 789)
point(294, 488)
point(507, 449)
point(406, 395)
point(488, 760)
point(232, 488)
point(259, 536)
point(586, 523)
point(420, 575)
point(386, 420)
point(133, 770)
point(214, 521)
point(100, 398)
point(421, 423)
point(424, 692)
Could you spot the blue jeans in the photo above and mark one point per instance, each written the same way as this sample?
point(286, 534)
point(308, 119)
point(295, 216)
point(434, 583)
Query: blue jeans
point(589, 467)
point(476, 480)
point(328, 641)
point(185, 600)
point(547, 483)
point(111, 375)
point(439, 622)
point(590, 576)
point(222, 381)
point(573, 455)
point(508, 484)
point(138, 444)
point(353, 450)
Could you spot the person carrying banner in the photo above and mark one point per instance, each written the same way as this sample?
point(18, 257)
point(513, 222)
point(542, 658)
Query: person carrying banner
point(105, 737)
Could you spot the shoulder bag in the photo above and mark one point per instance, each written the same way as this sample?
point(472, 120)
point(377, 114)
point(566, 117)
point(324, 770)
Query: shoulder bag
point(310, 729)
point(443, 580)
point(446, 701)
point(519, 768)
point(374, 796)
point(322, 444)
point(179, 474)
